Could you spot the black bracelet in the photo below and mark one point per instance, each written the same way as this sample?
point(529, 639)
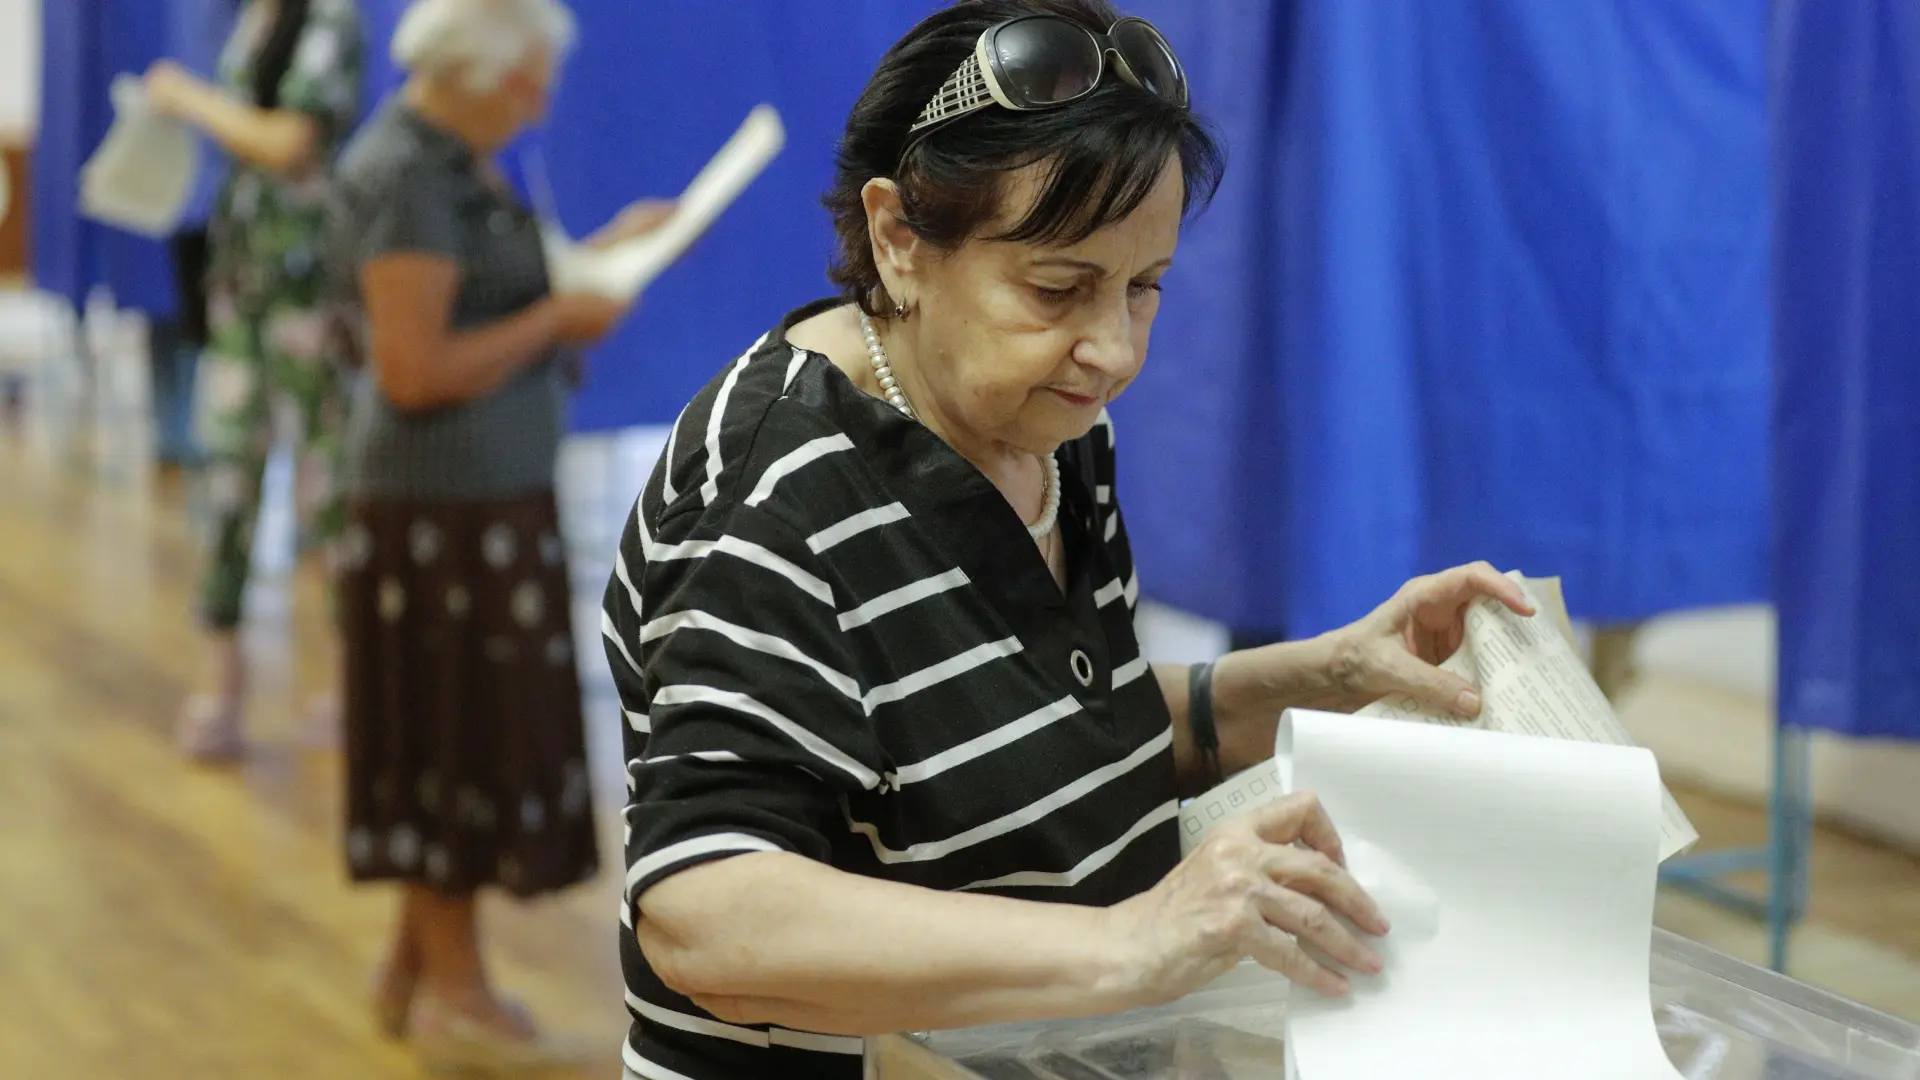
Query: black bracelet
point(1206, 737)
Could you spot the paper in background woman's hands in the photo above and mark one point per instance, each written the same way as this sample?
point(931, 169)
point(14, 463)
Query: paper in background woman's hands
point(141, 176)
point(623, 270)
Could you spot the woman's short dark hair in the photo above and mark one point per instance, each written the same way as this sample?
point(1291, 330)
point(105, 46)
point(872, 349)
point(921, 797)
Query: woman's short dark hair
point(1105, 151)
point(274, 58)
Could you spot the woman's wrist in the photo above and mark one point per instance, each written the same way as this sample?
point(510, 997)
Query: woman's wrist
point(1252, 687)
point(549, 325)
point(1121, 972)
point(1098, 961)
point(1317, 673)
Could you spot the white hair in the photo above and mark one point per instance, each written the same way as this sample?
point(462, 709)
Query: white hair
point(486, 38)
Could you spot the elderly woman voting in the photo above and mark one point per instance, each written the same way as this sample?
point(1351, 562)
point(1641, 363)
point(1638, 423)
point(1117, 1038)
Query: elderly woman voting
point(896, 759)
point(466, 765)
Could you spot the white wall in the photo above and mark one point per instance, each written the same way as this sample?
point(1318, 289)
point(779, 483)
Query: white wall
point(20, 67)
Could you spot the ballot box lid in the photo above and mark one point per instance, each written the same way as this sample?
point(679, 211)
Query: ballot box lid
point(1718, 1017)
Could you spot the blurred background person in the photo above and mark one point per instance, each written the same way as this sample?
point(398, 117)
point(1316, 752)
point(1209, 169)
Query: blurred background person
point(466, 759)
point(288, 93)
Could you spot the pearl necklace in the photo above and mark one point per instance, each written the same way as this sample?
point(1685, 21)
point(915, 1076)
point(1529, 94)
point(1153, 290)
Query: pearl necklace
point(897, 397)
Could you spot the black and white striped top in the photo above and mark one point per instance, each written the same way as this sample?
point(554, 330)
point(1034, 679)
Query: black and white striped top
point(832, 636)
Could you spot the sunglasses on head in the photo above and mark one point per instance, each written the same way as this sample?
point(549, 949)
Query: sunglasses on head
point(1045, 61)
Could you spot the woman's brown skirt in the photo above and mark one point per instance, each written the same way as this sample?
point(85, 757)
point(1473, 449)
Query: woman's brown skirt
point(466, 756)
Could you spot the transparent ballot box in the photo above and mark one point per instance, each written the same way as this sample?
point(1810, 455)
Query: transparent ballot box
point(1719, 1018)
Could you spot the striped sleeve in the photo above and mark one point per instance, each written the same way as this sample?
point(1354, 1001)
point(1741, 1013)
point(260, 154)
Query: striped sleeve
point(746, 726)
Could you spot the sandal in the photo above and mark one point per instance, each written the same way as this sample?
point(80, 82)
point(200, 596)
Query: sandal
point(449, 1039)
point(210, 731)
point(392, 1008)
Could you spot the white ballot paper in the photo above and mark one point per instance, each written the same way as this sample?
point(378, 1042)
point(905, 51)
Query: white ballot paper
point(1518, 874)
point(1531, 681)
point(624, 271)
point(142, 175)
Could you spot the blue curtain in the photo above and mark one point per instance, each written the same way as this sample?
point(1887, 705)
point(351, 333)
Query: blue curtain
point(1487, 281)
point(74, 114)
point(1846, 131)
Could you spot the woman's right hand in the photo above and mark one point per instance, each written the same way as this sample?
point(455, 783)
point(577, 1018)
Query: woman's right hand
point(168, 86)
point(585, 318)
point(1255, 880)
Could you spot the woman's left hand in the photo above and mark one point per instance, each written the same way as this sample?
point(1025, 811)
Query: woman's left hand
point(1397, 650)
point(636, 220)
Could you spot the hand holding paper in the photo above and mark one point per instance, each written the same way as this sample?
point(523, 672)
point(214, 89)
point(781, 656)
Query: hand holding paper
point(1399, 648)
point(1519, 873)
point(636, 221)
point(1534, 684)
point(141, 177)
point(1261, 887)
point(624, 269)
point(586, 318)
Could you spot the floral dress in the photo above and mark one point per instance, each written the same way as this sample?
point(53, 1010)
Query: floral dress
point(271, 368)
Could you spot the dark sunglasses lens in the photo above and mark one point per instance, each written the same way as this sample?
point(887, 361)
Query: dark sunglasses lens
point(1151, 59)
point(1046, 61)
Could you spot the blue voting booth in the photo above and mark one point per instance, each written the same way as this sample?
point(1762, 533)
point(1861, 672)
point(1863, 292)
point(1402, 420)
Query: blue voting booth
point(1615, 290)
point(1845, 113)
point(1488, 281)
point(1847, 450)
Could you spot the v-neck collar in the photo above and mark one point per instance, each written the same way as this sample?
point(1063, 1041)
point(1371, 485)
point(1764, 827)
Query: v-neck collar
point(956, 502)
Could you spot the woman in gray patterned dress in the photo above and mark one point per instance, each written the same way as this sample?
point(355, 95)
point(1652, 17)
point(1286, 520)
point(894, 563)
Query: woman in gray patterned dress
point(466, 765)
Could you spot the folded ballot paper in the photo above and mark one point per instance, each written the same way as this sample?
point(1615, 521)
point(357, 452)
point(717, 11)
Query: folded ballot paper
point(1532, 682)
point(142, 175)
point(1519, 875)
point(625, 270)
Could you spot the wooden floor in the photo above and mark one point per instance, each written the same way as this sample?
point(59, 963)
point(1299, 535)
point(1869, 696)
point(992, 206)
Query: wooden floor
point(162, 920)
point(167, 921)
